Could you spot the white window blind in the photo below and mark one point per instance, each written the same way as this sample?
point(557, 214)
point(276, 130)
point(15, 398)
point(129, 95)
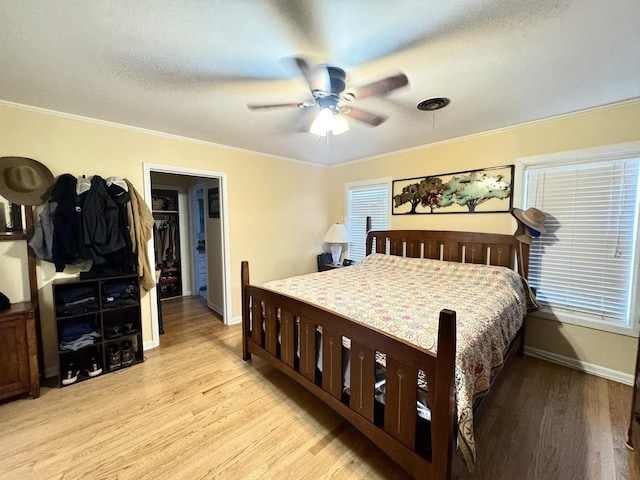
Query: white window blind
point(366, 200)
point(584, 265)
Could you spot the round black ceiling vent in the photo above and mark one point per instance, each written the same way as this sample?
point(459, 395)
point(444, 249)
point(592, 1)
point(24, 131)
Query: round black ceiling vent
point(431, 104)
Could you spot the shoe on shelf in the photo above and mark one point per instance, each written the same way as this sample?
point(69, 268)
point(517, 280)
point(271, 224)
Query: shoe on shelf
point(93, 367)
point(70, 374)
point(127, 354)
point(130, 328)
point(114, 360)
point(112, 331)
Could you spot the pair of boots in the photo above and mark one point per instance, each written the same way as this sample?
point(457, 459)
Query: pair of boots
point(120, 356)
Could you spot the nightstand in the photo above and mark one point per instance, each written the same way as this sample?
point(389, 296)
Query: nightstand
point(330, 266)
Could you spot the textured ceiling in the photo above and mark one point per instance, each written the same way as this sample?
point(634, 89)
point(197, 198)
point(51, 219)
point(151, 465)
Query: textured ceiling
point(189, 67)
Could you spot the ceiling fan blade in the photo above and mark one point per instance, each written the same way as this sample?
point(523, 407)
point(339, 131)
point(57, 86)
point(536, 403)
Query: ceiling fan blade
point(380, 87)
point(364, 116)
point(252, 106)
point(306, 71)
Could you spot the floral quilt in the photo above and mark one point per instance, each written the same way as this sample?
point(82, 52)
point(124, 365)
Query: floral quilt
point(404, 297)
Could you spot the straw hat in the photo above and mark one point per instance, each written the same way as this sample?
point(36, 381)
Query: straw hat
point(24, 181)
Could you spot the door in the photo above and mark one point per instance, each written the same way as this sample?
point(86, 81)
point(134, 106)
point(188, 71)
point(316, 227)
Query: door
point(199, 242)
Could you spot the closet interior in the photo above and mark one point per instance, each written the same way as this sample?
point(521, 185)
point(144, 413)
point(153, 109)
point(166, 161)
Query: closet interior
point(166, 232)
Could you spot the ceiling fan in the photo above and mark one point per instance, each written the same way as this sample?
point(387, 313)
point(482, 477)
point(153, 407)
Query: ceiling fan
point(328, 89)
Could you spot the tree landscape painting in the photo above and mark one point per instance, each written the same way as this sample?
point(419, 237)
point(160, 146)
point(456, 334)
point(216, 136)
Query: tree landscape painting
point(478, 191)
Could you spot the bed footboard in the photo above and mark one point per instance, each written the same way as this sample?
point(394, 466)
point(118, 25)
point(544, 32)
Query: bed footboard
point(307, 343)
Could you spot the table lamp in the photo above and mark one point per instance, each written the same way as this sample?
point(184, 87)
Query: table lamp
point(336, 236)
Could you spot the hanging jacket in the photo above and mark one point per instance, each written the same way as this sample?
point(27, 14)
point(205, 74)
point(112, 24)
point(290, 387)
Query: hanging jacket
point(140, 228)
point(119, 192)
point(67, 225)
point(101, 231)
point(42, 240)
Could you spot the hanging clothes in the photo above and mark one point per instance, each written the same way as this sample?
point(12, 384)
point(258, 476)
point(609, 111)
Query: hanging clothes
point(67, 225)
point(106, 230)
point(166, 242)
point(100, 221)
point(157, 254)
point(42, 240)
point(140, 229)
point(101, 227)
point(119, 192)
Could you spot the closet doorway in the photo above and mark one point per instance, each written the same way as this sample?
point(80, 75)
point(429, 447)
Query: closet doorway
point(201, 262)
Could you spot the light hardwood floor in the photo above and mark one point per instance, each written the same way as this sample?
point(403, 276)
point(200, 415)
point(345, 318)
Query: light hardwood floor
point(194, 410)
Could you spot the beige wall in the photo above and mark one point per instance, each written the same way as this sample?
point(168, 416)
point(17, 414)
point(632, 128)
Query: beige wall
point(277, 208)
point(615, 124)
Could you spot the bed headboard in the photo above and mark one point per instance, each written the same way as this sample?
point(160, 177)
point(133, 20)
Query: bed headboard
point(465, 247)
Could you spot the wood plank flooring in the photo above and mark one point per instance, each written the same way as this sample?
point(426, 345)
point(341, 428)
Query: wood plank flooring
point(194, 410)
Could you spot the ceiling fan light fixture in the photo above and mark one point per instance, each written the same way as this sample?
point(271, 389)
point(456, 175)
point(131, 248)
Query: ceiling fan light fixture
point(340, 124)
point(327, 121)
point(323, 122)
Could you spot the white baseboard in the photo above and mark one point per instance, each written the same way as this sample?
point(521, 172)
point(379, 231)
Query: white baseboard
point(216, 309)
point(235, 320)
point(586, 367)
point(148, 345)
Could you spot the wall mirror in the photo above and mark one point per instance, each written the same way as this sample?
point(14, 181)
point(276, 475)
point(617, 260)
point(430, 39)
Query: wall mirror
point(12, 220)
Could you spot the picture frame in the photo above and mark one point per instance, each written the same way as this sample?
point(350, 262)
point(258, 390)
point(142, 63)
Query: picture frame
point(487, 190)
point(214, 202)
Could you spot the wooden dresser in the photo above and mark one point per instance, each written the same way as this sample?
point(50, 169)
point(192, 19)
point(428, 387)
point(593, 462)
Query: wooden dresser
point(20, 342)
point(19, 350)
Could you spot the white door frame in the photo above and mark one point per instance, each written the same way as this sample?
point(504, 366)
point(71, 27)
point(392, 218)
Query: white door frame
point(226, 261)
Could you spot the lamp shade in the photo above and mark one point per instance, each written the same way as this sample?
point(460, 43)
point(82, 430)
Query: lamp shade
point(323, 122)
point(337, 234)
point(340, 124)
point(329, 120)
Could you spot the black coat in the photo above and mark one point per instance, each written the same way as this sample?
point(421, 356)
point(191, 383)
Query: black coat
point(67, 223)
point(101, 230)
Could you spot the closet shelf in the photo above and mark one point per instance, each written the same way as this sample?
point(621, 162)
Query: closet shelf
point(169, 280)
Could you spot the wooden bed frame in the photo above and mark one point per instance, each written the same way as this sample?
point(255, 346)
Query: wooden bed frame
point(277, 343)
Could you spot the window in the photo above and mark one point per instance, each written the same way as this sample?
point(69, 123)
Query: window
point(584, 268)
point(366, 199)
